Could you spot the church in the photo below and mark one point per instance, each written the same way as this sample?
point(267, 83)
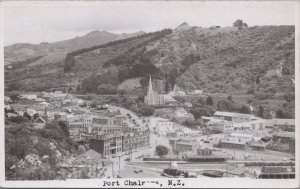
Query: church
point(153, 98)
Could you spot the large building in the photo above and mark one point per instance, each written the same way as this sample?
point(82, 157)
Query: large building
point(133, 140)
point(108, 145)
point(105, 125)
point(153, 98)
point(234, 117)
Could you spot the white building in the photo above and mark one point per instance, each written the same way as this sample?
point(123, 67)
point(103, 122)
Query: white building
point(234, 117)
point(181, 112)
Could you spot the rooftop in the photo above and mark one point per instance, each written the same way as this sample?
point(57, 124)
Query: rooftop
point(284, 122)
point(233, 114)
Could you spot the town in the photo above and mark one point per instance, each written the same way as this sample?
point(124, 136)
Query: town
point(168, 140)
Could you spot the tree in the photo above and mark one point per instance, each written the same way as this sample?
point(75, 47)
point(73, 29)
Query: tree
point(19, 119)
point(238, 23)
point(161, 150)
point(229, 98)
point(261, 112)
point(199, 112)
point(27, 116)
point(64, 127)
point(78, 87)
point(201, 101)
point(81, 149)
point(279, 114)
point(244, 110)
point(146, 110)
point(14, 97)
point(167, 87)
point(35, 116)
point(106, 89)
point(225, 105)
point(209, 101)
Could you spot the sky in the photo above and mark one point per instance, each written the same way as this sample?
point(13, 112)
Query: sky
point(36, 22)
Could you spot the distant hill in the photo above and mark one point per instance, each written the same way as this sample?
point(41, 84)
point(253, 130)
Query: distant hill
point(54, 52)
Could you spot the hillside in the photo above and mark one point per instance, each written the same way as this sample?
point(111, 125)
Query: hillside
point(257, 61)
point(35, 154)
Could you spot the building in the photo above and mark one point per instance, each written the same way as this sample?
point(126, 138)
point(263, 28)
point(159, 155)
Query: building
point(163, 126)
point(75, 129)
point(257, 145)
point(31, 111)
point(105, 125)
point(181, 112)
point(153, 98)
point(188, 104)
point(205, 155)
point(135, 140)
point(41, 121)
point(232, 143)
point(87, 122)
point(182, 144)
point(220, 126)
point(176, 91)
point(108, 145)
point(277, 172)
point(284, 124)
point(196, 92)
point(234, 117)
point(42, 105)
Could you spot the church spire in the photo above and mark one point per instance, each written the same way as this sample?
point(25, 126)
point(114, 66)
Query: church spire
point(150, 90)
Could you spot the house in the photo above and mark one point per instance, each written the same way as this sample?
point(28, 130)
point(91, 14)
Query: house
point(108, 145)
point(182, 144)
point(188, 104)
point(104, 125)
point(31, 111)
point(181, 112)
point(75, 128)
point(40, 122)
point(196, 92)
point(220, 126)
point(40, 100)
point(135, 140)
point(162, 126)
point(284, 124)
point(87, 122)
point(232, 143)
point(234, 117)
point(257, 145)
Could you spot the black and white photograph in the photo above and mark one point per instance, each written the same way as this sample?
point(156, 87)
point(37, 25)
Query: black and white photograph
point(174, 91)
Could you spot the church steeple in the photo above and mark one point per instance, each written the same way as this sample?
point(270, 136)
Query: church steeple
point(150, 90)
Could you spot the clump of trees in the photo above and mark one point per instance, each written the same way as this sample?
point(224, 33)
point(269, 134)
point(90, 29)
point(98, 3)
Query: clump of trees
point(161, 150)
point(146, 110)
point(240, 24)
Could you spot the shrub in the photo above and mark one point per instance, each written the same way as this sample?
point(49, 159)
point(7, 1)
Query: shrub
point(106, 89)
point(161, 150)
point(146, 110)
point(19, 119)
point(209, 101)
